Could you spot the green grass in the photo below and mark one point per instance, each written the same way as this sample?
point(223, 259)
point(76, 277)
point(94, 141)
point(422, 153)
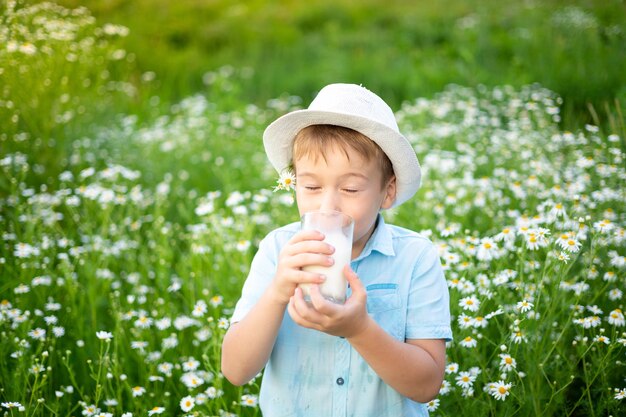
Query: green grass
point(403, 49)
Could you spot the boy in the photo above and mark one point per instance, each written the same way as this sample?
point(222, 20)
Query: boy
point(382, 353)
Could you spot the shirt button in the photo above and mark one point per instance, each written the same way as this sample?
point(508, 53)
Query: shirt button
point(340, 381)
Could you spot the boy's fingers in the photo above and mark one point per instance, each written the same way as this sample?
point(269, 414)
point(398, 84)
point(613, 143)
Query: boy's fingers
point(320, 304)
point(358, 290)
point(306, 259)
point(305, 310)
point(304, 235)
point(308, 247)
point(292, 311)
point(304, 277)
point(291, 307)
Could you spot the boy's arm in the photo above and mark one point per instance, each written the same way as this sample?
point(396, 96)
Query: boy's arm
point(414, 368)
point(248, 343)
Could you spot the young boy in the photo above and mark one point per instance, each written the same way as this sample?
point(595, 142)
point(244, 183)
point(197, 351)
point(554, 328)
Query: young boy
point(382, 353)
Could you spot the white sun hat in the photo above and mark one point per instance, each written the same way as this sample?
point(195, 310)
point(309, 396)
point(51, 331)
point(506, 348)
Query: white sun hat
point(357, 108)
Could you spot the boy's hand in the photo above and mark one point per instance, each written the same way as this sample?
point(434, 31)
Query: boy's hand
point(346, 320)
point(303, 249)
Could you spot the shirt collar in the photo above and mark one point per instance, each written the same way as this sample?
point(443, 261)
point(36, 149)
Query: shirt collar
point(380, 241)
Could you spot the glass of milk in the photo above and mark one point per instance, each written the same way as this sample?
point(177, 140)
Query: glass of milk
point(337, 228)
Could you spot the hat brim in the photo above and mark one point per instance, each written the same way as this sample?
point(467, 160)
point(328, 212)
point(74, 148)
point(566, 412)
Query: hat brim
point(279, 136)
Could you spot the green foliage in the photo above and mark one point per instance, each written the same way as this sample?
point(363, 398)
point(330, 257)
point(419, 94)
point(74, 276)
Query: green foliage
point(404, 49)
point(60, 73)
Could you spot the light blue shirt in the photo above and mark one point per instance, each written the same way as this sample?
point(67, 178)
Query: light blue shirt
point(313, 374)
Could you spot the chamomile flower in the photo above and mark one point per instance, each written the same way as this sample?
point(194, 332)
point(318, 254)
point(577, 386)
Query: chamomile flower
point(556, 211)
point(571, 245)
point(187, 403)
point(616, 318)
point(90, 410)
point(563, 257)
point(518, 337)
point(609, 276)
point(588, 322)
point(500, 390)
point(191, 380)
point(480, 322)
point(615, 294)
point(452, 368)
point(163, 323)
point(199, 309)
point(102, 335)
point(165, 368)
point(617, 260)
point(507, 235)
point(249, 400)
point(143, 322)
point(465, 321)
point(37, 334)
point(140, 345)
point(468, 342)
point(487, 250)
point(190, 364)
point(465, 379)
point(524, 306)
point(470, 303)
point(213, 392)
point(286, 181)
point(223, 323)
point(11, 404)
point(507, 362)
point(432, 405)
point(448, 230)
point(603, 226)
point(216, 301)
point(445, 387)
point(156, 410)
point(138, 391)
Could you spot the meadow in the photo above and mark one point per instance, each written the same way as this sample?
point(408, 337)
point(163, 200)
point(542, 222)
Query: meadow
point(132, 202)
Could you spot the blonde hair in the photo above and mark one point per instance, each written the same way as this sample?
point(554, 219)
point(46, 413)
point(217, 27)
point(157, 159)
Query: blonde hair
point(315, 140)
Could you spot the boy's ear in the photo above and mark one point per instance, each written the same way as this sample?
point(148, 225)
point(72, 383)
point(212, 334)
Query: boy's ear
point(390, 194)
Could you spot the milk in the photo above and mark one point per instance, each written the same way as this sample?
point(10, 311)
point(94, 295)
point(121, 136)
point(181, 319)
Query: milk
point(334, 288)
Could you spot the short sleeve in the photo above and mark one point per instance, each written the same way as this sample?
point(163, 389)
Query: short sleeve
point(261, 273)
point(428, 305)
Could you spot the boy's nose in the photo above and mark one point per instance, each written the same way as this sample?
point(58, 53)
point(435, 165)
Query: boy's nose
point(330, 202)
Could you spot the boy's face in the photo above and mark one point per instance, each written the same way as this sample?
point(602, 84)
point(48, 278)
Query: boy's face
point(349, 185)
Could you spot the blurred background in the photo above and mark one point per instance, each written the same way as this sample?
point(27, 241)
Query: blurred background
point(134, 187)
point(400, 49)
